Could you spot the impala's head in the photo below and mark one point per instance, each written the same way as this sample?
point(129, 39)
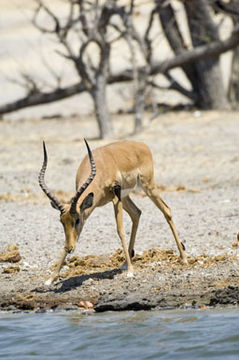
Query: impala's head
point(72, 214)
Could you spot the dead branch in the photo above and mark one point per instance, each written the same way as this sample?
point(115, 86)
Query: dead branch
point(230, 8)
point(41, 98)
point(174, 85)
point(212, 49)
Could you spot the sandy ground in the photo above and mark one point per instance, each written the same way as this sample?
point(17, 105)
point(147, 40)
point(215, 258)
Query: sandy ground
point(194, 152)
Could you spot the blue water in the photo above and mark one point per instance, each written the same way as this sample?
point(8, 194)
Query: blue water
point(177, 334)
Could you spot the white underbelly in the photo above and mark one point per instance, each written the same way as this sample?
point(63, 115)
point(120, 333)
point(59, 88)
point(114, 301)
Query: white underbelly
point(126, 192)
point(128, 182)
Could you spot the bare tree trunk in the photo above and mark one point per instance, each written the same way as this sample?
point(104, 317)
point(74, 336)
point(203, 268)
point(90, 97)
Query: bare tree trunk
point(99, 91)
point(211, 93)
point(101, 108)
point(231, 8)
point(139, 75)
point(139, 103)
point(233, 89)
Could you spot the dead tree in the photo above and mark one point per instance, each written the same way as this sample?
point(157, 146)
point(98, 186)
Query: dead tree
point(205, 74)
point(90, 22)
point(138, 44)
point(212, 94)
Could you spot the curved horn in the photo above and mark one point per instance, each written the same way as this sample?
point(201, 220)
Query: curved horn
point(42, 184)
point(87, 183)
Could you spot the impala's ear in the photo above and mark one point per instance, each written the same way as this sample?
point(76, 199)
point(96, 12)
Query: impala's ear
point(87, 202)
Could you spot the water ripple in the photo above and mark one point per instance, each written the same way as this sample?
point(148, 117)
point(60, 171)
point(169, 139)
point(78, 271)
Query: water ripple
point(192, 334)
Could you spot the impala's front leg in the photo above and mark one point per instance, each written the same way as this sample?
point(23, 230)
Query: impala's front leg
point(55, 274)
point(118, 208)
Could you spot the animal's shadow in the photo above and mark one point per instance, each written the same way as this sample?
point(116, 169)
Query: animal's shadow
point(76, 281)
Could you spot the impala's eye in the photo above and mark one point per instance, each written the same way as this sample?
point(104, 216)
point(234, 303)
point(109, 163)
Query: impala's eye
point(77, 222)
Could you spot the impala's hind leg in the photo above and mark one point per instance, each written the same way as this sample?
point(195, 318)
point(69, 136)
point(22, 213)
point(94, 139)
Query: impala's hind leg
point(134, 213)
point(153, 193)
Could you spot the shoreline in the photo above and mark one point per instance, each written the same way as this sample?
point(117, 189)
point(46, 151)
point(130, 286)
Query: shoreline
point(156, 285)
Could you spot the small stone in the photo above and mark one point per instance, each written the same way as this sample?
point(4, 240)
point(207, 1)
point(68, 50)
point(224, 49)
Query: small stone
point(11, 270)
point(235, 244)
point(12, 256)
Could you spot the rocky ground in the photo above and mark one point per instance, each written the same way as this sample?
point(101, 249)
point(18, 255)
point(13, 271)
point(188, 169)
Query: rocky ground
point(196, 160)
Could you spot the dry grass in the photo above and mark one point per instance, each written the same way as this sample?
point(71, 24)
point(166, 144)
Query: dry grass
point(154, 258)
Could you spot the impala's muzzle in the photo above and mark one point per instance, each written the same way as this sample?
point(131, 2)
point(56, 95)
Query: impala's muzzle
point(69, 250)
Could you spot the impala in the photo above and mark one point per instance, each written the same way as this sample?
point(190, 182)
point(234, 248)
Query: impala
point(109, 173)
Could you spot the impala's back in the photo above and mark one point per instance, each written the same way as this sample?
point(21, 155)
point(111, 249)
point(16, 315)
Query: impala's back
point(123, 161)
